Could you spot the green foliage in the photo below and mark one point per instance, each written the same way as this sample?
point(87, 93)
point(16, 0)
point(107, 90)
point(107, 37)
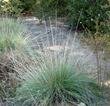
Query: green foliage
point(81, 14)
point(11, 35)
point(84, 14)
point(16, 7)
point(11, 7)
point(50, 8)
point(28, 5)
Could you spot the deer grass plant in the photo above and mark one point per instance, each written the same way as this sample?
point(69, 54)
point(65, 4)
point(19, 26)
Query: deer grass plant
point(56, 77)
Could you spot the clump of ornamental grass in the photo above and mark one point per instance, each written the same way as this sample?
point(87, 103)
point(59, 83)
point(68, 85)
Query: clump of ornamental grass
point(56, 77)
point(12, 34)
point(13, 39)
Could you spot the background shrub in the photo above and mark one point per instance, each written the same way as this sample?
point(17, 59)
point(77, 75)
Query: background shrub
point(28, 5)
point(84, 14)
point(16, 7)
point(50, 8)
point(81, 15)
point(11, 7)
